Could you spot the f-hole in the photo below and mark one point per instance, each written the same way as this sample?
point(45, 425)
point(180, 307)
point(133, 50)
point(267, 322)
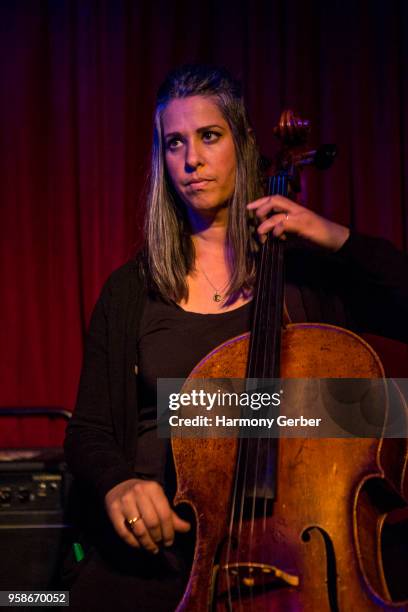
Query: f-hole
point(331, 569)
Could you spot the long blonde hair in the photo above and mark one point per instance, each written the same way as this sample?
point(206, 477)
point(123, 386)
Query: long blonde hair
point(170, 249)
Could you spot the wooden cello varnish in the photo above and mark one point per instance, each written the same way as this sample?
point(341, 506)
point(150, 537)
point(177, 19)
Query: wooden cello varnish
point(315, 546)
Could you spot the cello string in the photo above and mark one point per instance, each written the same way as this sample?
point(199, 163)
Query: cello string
point(273, 248)
point(272, 442)
point(241, 514)
point(274, 298)
point(254, 353)
point(242, 462)
point(264, 319)
point(243, 453)
point(265, 339)
point(231, 525)
point(242, 458)
point(260, 297)
point(262, 340)
point(262, 306)
point(254, 497)
point(241, 469)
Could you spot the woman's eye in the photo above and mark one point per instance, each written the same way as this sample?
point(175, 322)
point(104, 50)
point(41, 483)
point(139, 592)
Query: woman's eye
point(173, 143)
point(211, 136)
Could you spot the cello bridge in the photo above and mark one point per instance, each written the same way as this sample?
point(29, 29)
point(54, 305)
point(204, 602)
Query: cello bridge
point(259, 575)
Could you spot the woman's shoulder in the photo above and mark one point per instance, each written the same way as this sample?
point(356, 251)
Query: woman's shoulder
point(123, 293)
point(128, 277)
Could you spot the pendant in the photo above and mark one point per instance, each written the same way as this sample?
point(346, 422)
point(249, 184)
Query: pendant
point(217, 297)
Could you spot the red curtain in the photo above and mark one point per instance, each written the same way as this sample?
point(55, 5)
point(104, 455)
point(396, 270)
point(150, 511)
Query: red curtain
point(78, 80)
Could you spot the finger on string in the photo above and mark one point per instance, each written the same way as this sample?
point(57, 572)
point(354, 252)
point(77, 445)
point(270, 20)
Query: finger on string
point(273, 200)
point(258, 202)
point(268, 211)
point(279, 231)
point(284, 202)
point(271, 223)
point(269, 204)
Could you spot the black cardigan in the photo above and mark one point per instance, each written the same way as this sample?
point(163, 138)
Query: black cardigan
point(364, 286)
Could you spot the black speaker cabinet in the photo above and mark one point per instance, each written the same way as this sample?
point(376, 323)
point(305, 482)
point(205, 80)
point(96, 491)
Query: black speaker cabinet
point(34, 535)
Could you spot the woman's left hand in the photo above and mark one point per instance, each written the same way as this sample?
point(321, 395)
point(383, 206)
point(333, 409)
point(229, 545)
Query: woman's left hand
point(292, 218)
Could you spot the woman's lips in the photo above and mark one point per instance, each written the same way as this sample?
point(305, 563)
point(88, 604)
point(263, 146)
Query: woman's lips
point(199, 184)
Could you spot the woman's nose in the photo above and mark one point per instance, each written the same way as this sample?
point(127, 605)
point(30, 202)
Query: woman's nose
point(194, 157)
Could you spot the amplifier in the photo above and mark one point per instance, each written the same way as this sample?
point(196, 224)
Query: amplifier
point(34, 534)
point(31, 480)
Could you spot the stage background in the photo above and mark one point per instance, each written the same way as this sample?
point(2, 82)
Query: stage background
point(78, 80)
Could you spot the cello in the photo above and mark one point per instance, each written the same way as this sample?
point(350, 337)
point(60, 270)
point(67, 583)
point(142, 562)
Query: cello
point(268, 534)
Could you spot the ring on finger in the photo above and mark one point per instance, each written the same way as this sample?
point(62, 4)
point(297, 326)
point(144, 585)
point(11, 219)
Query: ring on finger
point(130, 522)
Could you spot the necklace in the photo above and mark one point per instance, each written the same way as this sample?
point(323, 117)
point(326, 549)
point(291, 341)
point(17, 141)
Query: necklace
point(217, 297)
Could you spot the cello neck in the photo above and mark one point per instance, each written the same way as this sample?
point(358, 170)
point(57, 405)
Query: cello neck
point(264, 351)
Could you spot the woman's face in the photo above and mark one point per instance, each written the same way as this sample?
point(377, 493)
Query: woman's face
point(199, 152)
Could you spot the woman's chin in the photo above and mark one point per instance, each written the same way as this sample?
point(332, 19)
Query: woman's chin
point(203, 205)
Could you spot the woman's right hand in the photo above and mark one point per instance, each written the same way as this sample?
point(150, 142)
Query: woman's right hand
point(145, 499)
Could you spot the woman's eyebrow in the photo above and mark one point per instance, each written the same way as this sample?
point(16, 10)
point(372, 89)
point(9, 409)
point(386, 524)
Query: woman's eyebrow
point(209, 127)
point(171, 134)
point(200, 130)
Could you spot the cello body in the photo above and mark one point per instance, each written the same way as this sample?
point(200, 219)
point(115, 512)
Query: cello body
point(306, 532)
point(319, 547)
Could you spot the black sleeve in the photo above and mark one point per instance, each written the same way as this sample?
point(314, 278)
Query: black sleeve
point(363, 287)
point(91, 448)
point(375, 286)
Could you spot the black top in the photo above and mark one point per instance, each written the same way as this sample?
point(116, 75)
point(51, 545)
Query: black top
point(364, 285)
point(171, 342)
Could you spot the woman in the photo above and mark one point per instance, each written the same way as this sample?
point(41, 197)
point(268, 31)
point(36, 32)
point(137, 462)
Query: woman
point(187, 292)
